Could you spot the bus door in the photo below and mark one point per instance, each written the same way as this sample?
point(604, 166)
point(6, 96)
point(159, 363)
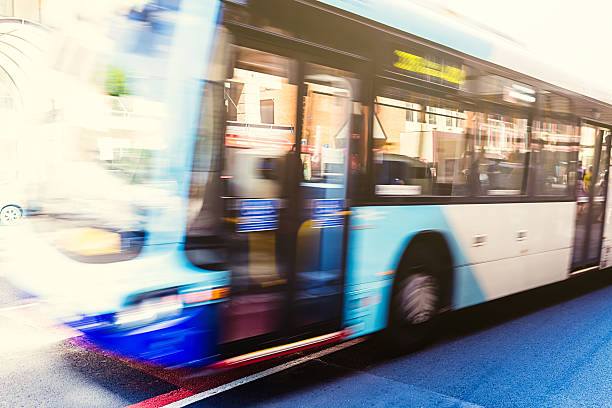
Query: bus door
point(591, 189)
point(284, 189)
point(327, 128)
point(261, 99)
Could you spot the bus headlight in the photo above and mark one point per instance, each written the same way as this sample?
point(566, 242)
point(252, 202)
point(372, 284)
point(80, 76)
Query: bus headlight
point(149, 311)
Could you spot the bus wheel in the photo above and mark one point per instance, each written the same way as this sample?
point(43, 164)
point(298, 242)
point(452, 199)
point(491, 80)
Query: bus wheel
point(415, 302)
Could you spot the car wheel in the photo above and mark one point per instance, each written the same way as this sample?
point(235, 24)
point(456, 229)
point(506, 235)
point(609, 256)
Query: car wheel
point(9, 215)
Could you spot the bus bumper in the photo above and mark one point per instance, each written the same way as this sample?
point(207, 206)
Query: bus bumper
point(185, 340)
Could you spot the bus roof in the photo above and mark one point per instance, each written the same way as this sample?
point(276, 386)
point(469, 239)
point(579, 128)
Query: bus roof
point(446, 28)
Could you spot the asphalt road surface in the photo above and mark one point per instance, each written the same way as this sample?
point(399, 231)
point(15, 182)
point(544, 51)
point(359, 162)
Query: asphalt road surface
point(551, 347)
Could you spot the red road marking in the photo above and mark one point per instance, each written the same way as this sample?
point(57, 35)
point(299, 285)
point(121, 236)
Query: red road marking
point(164, 399)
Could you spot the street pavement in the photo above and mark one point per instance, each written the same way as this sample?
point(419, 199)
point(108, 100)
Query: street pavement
point(551, 347)
point(540, 349)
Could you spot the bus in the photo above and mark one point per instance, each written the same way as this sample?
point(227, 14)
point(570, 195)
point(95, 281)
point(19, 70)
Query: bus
point(222, 182)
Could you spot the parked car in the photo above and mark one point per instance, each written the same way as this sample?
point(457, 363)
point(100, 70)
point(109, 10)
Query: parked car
point(12, 207)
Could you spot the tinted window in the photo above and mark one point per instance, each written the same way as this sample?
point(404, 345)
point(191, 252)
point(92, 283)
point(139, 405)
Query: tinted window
point(419, 146)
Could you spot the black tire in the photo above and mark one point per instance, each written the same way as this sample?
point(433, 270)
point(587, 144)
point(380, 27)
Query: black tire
point(417, 297)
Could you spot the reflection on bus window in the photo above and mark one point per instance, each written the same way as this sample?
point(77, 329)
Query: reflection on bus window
point(500, 145)
point(260, 103)
point(420, 147)
point(554, 149)
point(600, 187)
point(327, 121)
point(586, 159)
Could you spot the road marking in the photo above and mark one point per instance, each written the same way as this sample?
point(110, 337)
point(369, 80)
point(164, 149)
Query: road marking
point(30, 326)
point(18, 306)
point(164, 399)
point(190, 399)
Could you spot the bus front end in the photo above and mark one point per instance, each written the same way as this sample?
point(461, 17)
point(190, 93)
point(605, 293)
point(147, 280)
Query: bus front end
point(108, 181)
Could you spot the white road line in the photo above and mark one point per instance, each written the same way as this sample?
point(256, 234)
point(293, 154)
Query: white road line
point(18, 306)
point(261, 374)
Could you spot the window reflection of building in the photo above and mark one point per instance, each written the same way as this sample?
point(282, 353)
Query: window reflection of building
point(502, 134)
point(429, 135)
point(554, 147)
point(260, 102)
point(488, 148)
point(260, 105)
point(326, 128)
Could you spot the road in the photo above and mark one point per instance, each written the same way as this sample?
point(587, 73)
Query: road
point(551, 347)
point(541, 349)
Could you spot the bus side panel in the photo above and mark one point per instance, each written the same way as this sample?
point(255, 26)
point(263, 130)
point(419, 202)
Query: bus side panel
point(377, 239)
point(365, 307)
point(513, 247)
point(497, 250)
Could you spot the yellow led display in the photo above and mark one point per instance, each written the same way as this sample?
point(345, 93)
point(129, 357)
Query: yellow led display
point(420, 65)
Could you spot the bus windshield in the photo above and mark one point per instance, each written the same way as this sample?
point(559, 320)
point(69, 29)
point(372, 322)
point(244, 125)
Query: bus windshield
point(93, 153)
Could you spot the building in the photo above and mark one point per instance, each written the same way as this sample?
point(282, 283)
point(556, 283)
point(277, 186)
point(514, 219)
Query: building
point(26, 9)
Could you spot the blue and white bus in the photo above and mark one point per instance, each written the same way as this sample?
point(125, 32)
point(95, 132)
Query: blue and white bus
point(226, 181)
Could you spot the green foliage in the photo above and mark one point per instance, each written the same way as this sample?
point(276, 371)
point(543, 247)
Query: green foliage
point(115, 84)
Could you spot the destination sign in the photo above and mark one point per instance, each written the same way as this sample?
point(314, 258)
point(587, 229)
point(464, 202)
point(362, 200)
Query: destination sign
point(420, 65)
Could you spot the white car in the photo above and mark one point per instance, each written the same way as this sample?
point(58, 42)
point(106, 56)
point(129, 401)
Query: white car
point(12, 205)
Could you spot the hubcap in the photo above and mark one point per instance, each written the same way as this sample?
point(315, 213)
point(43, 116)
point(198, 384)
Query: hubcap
point(418, 297)
point(10, 215)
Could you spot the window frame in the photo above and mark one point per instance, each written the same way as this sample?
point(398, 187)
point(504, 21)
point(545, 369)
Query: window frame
point(494, 108)
point(543, 116)
point(425, 115)
point(466, 101)
point(373, 71)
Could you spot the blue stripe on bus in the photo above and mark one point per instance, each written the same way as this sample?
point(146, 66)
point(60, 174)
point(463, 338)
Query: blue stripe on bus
point(378, 237)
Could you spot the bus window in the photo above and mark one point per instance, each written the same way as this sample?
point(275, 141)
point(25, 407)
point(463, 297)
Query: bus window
point(501, 138)
point(260, 104)
point(98, 153)
point(419, 147)
point(500, 146)
point(328, 126)
point(327, 123)
point(555, 142)
point(554, 147)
